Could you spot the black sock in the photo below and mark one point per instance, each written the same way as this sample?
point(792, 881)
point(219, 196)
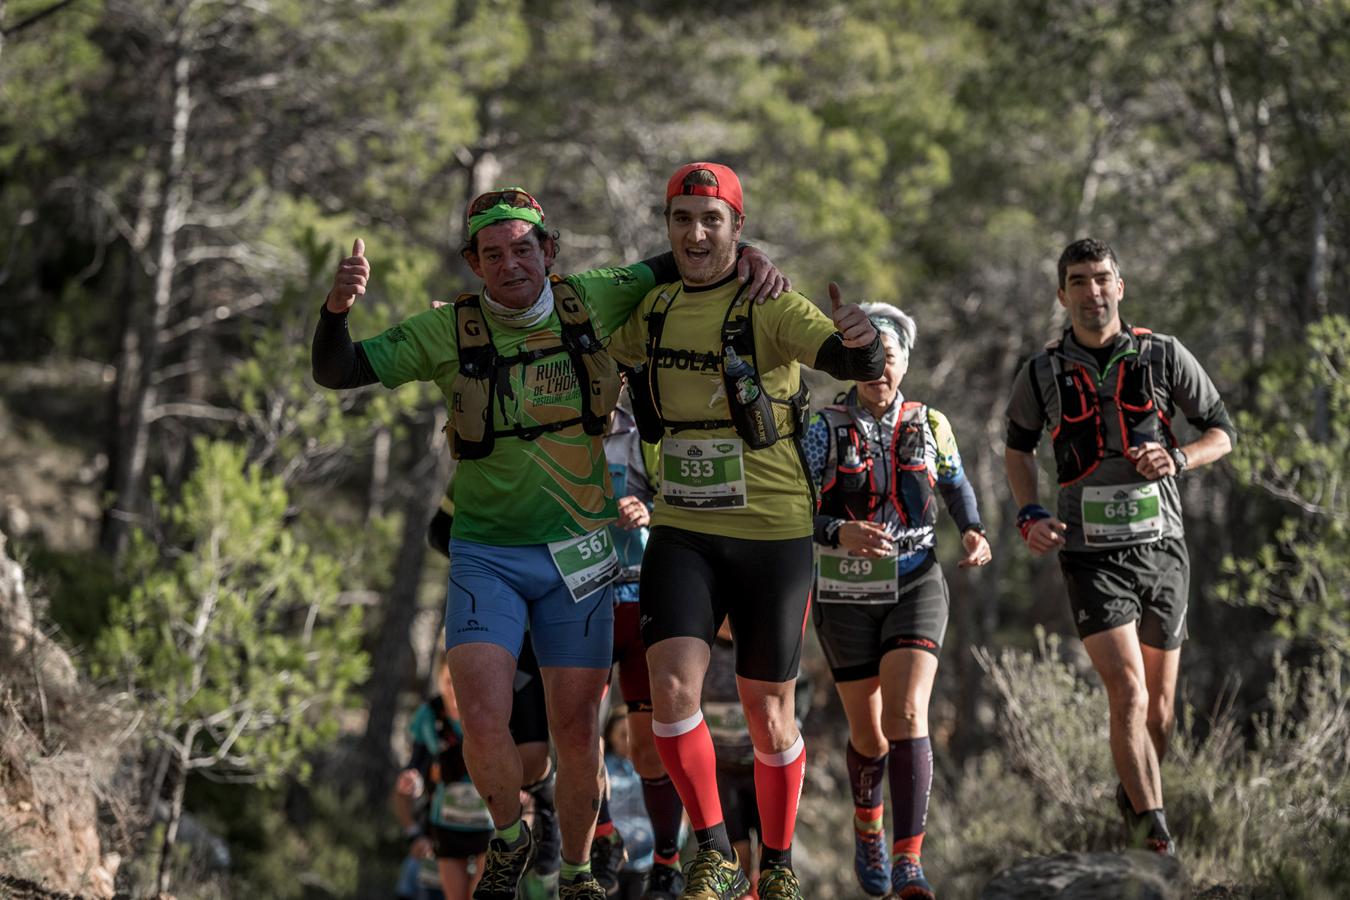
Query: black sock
point(665, 810)
point(1157, 824)
point(769, 857)
point(715, 838)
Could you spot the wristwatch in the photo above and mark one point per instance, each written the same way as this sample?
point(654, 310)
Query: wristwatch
point(977, 528)
point(1179, 459)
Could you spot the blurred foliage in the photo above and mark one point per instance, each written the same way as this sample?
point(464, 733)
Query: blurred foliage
point(1296, 449)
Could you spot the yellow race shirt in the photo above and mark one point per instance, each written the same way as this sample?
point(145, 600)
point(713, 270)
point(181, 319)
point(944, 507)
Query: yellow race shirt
point(688, 371)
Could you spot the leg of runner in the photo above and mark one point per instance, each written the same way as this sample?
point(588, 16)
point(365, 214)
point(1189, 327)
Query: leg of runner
point(573, 701)
point(866, 756)
point(664, 809)
point(1116, 656)
point(677, 666)
point(482, 674)
point(1160, 674)
point(454, 878)
point(780, 763)
point(906, 685)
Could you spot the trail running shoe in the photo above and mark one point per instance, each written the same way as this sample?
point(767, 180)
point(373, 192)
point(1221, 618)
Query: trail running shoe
point(607, 857)
point(663, 883)
point(583, 887)
point(779, 883)
point(907, 879)
point(872, 862)
point(711, 876)
point(504, 866)
point(547, 839)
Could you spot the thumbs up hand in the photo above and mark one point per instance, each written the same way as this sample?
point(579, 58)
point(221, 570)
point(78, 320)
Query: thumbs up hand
point(350, 280)
point(853, 324)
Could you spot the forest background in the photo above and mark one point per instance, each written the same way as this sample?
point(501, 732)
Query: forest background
point(237, 559)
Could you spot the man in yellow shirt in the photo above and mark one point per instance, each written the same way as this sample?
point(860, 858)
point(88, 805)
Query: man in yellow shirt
point(731, 535)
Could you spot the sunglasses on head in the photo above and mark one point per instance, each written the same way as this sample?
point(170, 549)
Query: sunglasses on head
point(513, 197)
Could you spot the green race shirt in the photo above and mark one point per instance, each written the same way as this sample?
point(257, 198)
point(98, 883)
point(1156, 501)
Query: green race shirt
point(524, 492)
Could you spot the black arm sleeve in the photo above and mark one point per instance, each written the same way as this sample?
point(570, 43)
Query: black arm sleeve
point(851, 363)
point(1023, 439)
point(663, 267)
point(961, 503)
point(826, 530)
point(337, 363)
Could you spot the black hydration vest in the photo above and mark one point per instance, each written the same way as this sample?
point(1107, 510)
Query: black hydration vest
point(853, 494)
point(753, 422)
point(481, 367)
point(1079, 437)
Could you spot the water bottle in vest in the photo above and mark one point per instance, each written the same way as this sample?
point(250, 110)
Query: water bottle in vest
point(750, 408)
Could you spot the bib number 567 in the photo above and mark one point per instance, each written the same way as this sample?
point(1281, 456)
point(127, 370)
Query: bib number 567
point(592, 547)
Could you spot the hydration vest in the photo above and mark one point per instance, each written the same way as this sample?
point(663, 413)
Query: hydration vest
point(738, 334)
point(1079, 437)
point(853, 493)
point(481, 369)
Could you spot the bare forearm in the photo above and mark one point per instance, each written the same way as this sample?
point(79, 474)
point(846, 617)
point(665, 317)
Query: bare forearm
point(1023, 476)
point(1213, 445)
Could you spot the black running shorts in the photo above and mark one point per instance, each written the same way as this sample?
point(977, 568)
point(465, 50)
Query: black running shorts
point(1145, 583)
point(451, 844)
point(691, 582)
point(855, 636)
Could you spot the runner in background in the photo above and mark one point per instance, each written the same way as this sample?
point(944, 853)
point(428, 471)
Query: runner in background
point(456, 826)
point(1107, 394)
point(627, 807)
point(881, 604)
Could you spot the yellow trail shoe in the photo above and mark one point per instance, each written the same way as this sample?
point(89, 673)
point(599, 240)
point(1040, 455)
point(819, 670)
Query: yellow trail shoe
point(711, 876)
point(779, 883)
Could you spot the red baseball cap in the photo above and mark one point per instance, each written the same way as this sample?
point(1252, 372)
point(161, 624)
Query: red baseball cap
point(727, 188)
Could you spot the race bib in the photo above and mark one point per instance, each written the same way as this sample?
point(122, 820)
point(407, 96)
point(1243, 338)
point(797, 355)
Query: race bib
point(841, 578)
point(1122, 514)
point(459, 806)
point(706, 474)
point(587, 563)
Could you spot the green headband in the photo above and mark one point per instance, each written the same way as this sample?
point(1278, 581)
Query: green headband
point(502, 213)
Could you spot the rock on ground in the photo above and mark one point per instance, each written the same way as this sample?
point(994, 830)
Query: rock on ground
point(1134, 875)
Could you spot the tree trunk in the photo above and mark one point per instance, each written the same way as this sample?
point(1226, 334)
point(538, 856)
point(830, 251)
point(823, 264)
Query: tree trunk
point(179, 776)
point(131, 459)
point(392, 655)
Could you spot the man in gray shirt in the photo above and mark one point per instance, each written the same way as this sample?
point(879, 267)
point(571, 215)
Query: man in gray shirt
point(1106, 392)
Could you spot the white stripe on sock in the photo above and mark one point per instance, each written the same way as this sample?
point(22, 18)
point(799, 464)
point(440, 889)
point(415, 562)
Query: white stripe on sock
point(675, 729)
point(787, 757)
